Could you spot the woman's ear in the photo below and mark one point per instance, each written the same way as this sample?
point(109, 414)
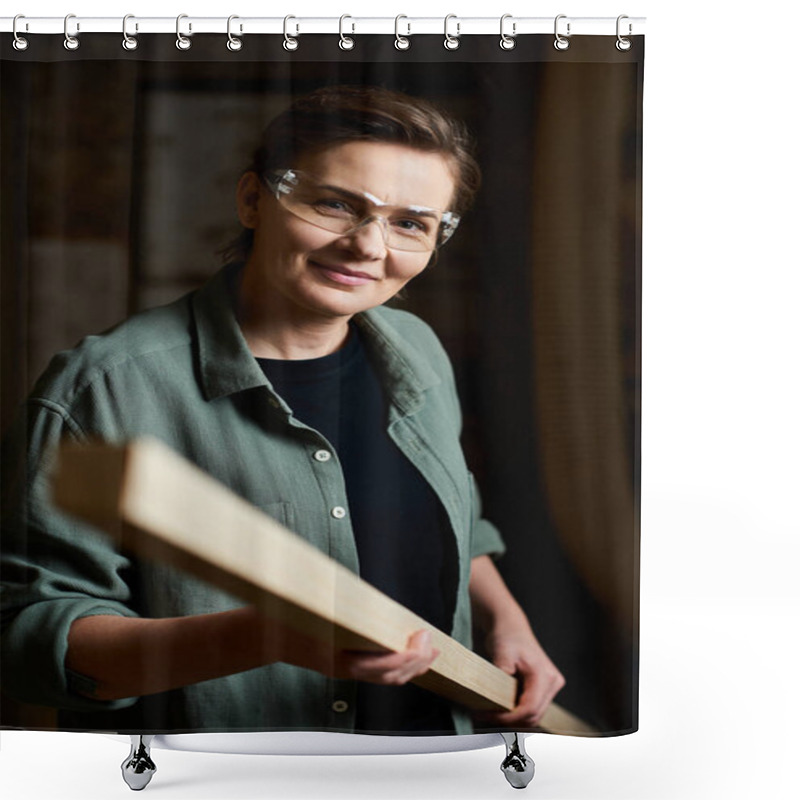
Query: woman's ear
point(248, 196)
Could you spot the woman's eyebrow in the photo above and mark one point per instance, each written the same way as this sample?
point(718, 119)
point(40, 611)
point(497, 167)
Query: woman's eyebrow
point(419, 211)
point(345, 192)
point(422, 211)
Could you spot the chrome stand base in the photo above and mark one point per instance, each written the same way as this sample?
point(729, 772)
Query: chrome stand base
point(517, 766)
point(138, 768)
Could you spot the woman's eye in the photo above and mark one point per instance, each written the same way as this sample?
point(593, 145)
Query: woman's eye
point(331, 205)
point(411, 226)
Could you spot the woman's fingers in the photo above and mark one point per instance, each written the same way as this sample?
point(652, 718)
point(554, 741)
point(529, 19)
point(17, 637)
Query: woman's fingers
point(537, 694)
point(392, 669)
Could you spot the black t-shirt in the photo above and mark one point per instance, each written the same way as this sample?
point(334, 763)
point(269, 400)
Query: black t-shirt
point(402, 534)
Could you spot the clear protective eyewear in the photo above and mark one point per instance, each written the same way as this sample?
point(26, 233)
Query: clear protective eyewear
point(342, 211)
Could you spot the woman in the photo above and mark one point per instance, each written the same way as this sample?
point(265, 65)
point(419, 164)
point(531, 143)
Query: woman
point(286, 378)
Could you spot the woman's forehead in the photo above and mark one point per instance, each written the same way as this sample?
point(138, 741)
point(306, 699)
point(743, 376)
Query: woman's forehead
point(392, 174)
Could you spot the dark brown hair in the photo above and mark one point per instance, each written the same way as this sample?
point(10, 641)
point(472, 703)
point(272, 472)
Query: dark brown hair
point(339, 114)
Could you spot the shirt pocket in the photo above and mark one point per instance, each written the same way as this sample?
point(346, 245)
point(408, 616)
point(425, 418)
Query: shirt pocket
point(282, 512)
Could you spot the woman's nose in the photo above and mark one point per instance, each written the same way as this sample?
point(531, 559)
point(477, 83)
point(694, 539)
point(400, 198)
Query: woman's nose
point(369, 238)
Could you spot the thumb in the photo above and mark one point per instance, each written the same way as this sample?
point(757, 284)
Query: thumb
point(505, 663)
point(420, 640)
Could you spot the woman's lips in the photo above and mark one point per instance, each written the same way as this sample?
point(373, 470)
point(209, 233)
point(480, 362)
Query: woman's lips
point(343, 275)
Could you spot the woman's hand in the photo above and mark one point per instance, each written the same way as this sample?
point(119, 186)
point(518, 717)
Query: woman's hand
point(518, 653)
point(512, 646)
point(388, 669)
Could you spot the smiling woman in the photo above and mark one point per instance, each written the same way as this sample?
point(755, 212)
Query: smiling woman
point(304, 279)
point(286, 378)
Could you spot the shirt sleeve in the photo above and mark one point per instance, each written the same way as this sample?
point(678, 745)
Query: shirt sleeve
point(486, 538)
point(54, 570)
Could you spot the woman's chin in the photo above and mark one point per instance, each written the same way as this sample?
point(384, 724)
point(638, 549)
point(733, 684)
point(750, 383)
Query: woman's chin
point(332, 302)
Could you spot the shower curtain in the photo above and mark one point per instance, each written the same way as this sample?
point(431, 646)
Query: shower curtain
point(119, 180)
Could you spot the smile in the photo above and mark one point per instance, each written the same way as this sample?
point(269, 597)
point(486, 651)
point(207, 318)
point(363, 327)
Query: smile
point(342, 275)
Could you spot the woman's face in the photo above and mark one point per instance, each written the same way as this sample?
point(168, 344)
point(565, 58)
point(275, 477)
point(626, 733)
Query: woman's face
point(307, 269)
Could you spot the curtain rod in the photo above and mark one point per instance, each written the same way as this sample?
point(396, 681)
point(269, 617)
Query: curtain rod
point(294, 25)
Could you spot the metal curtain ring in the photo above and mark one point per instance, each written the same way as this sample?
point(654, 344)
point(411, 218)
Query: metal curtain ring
point(561, 42)
point(289, 42)
point(623, 44)
point(71, 42)
point(401, 42)
point(451, 42)
point(346, 42)
point(234, 42)
point(20, 42)
point(507, 42)
point(182, 42)
point(129, 42)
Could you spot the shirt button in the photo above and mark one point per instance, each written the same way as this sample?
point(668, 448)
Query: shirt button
point(338, 512)
point(274, 402)
point(322, 455)
point(340, 706)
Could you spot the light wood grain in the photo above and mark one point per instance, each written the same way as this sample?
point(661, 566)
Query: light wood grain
point(159, 506)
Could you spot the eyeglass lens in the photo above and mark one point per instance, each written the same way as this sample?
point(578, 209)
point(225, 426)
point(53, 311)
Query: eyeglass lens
point(341, 211)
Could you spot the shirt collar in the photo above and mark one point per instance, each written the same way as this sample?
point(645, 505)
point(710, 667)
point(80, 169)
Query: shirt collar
point(406, 370)
point(227, 366)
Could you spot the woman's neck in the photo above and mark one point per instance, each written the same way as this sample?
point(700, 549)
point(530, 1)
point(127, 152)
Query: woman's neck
point(273, 327)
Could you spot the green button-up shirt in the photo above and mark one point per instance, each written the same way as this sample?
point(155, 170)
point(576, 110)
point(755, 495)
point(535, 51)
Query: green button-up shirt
point(183, 373)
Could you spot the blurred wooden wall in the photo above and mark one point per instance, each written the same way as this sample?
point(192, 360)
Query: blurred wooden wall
point(585, 310)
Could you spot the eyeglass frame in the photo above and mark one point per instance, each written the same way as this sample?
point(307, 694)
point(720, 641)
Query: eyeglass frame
point(280, 181)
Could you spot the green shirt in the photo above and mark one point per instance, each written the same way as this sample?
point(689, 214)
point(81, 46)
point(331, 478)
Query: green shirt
point(184, 374)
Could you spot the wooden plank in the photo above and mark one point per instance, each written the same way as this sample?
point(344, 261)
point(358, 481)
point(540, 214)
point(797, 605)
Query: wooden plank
point(159, 506)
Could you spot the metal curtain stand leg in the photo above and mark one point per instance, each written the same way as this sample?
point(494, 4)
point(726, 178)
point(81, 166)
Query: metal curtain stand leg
point(517, 766)
point(138, 768)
